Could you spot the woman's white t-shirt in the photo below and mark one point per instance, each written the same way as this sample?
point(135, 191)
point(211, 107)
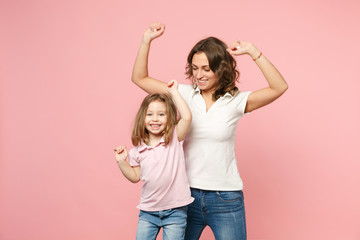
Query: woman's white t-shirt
point(210, 144)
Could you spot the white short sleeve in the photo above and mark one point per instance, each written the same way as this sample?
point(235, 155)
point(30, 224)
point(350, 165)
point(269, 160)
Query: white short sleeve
point(241, 100)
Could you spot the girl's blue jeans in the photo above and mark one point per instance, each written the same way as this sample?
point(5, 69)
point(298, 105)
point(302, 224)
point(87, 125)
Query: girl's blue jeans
point(222, 211)
point(173, 222)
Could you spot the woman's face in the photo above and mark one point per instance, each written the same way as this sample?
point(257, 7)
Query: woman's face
point(204, 77)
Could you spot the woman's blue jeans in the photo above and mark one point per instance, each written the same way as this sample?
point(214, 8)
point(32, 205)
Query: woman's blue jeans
point(173, 222)
point(222, 211)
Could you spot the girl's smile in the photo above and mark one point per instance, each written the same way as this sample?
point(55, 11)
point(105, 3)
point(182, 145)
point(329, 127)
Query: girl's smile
point(156, 119)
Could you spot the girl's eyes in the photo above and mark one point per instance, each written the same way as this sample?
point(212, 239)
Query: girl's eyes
point(160, 114)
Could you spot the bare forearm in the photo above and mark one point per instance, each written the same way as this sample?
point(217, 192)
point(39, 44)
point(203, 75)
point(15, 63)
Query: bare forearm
point(128, 171)
point(184, 123)
point(140, 74)
point(274, 78)
point(140, 69)
point(181, 105)
point(276, 83)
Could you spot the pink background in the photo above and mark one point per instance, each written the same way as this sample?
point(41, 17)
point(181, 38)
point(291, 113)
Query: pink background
point(66, 99)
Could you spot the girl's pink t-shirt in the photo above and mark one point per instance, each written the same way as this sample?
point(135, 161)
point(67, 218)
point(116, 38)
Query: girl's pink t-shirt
point(162, 169)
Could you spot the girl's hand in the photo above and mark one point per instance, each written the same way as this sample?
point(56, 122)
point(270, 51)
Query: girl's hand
point(155, 30)
point(120, 153)
point(172, 86)
point(237, 48)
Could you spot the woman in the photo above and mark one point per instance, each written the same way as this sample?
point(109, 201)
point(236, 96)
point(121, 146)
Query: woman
point(216, 105)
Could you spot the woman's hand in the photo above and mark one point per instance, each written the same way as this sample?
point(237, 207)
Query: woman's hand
point(237, 48)
point(155, 30)
point(120, 153)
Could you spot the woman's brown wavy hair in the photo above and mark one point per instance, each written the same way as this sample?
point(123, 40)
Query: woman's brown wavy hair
point(140, 133)
point(220, 62)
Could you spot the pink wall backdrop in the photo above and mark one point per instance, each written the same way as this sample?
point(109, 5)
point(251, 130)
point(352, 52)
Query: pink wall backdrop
point(66, 99)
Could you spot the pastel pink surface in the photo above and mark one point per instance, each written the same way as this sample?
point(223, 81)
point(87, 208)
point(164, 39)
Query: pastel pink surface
point(66, 100)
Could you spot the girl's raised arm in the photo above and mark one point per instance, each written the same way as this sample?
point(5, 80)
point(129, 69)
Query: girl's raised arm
point(183, 126)
point(276, 83)
point(140, 74)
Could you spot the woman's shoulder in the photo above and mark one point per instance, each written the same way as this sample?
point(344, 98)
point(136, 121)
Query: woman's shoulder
point(239, 100)
point(185, 89)
point(241, 94)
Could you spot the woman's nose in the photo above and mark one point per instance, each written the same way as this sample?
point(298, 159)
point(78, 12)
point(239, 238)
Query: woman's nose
point(199, 74)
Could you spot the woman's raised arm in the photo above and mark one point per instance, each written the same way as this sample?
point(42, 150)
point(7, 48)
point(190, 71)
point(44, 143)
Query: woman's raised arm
point(276, 83)
point(140, 75)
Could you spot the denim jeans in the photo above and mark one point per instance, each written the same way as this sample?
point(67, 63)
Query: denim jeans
point(222, 211)
point(173, 222)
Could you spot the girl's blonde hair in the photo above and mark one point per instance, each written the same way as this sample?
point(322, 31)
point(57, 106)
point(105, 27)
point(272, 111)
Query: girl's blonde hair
point(140, 133)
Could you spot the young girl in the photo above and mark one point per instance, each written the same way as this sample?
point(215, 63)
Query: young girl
point(158, 160)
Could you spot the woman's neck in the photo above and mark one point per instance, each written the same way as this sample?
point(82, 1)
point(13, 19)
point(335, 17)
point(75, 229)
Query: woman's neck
point(208, 98)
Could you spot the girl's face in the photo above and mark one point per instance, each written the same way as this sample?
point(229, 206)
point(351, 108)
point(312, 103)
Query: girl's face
point(204, 77)
point(156, 118)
